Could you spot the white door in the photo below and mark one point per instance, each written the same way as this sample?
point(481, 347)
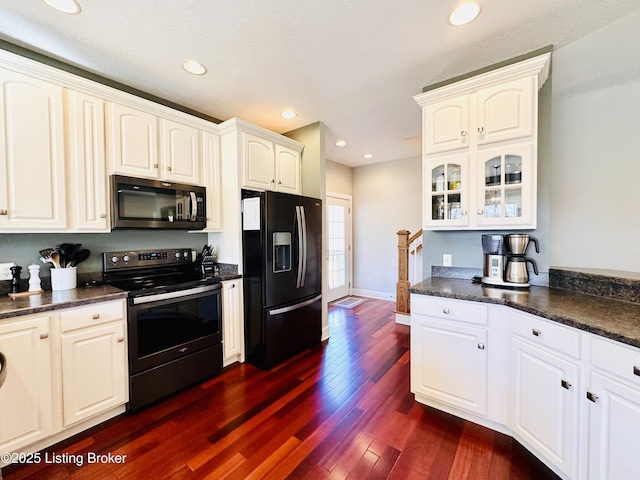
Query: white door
point(339, 245)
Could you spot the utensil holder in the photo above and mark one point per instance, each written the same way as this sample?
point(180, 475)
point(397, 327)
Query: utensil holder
point(64, 278)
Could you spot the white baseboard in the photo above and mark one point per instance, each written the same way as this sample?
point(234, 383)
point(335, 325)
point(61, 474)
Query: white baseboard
point(325, 333)
point(403, 319)
point(373, 294)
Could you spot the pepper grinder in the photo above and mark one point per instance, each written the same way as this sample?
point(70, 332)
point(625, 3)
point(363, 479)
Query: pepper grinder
point(34, 278)
point(15, 281)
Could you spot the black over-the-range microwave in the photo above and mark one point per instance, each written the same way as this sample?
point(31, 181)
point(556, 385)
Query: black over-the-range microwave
point(143, 203)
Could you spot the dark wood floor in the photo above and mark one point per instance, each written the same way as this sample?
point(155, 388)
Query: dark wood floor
point(341, 410)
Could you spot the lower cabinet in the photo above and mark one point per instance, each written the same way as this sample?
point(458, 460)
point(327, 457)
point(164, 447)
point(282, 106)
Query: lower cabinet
point(573, 397)
point(232, 322)
point(26, 397)
point(63, 368)
point(449, 363)
point(613, 403)
point(94, 360)
point(545, 403)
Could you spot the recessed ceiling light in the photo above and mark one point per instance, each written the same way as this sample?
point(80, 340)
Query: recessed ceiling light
point(194, 67)
point(464, 14)
point(367, 156)
point(289, 114)
point(341, 143)
point(65, 6)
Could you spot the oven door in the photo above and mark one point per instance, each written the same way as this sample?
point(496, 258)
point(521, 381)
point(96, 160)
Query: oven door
point(171, 325)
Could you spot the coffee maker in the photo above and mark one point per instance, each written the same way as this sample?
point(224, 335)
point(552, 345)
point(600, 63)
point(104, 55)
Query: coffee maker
point(505, 260)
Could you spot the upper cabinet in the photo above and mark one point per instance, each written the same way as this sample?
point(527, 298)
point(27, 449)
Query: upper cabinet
point(479, 149)
point(180, 152)
point(32, 160)
point(265, 160)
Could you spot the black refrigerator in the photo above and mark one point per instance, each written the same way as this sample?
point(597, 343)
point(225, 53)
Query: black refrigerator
point(282, 274)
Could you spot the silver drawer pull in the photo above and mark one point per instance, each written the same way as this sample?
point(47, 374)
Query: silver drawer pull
point(481, 346)
point(96, 316)
point(592, 396)
point(43, 336)
point(536, 332)
point(445, 311)
point(120, 339)
point(565, 384)
point(636, 371)
point(184, 349)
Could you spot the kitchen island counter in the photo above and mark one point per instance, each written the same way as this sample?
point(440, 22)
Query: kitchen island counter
point(48, 300)
point(610, 318)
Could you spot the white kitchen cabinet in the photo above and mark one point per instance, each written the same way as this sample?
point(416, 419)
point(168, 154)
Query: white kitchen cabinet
point(180, 152)
point(449, 353)
point(447, 195)
point(132, 142)
point(232, 322)
point(32, 160)
point(496, 110)
point(545, 395)
point(613, 402)
point(94, 360)
point(26, 398)
point(87, 195)
point(212, 179)
point(267, 165)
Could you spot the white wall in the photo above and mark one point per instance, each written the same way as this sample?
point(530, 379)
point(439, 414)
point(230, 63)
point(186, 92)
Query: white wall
point(339, 178)
point(386, 199)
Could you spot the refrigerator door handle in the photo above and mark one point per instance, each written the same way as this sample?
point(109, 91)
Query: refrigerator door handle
point(300, 247)
point(304, 246)
point(290, 308)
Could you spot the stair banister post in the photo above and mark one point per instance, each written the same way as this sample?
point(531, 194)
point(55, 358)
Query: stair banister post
point(402, 287)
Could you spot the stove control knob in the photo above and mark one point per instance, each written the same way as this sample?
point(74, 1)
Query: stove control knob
point(114, 259)
point(185, 254)
point(177, 254)
point(126, 258)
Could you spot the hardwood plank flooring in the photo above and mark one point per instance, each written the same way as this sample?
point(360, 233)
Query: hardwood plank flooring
point(342, 410)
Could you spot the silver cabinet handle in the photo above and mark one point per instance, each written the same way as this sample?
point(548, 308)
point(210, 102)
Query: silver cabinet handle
point(480, 212)
point(536, 332)
point(463, 133)
point(120, 339)
point(565, 384)
point(155, 165)
point(4, 212)
point(464, 213)
point(636, 371)
point(233, 285)
point(96, 316)
point(481, 346)
point(168, 169)
point(103, 215)
point(480, 130)
point(44, 335)
point(445, 311)
point(592, 396)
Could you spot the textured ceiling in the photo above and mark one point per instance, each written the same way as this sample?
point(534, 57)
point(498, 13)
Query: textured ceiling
point(352, 64)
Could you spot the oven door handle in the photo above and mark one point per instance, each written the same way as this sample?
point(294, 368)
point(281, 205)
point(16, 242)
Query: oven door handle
point(176, 294)
point(291, 308)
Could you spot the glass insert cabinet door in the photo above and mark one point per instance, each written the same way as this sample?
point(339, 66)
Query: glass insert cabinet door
point(505, 180)
point(448, 196)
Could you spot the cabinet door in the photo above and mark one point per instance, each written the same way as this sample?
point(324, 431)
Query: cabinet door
point(180, 160)
point(446, 125)
point(545, 402)
point(449, 363)
point(233, 322)
point(132, 142)
point(26, 399)
point(258, 162)
point(287, 170)
point(614, 423)
point(506, 187)
point(211, 170)
point(87, 175)
point(446, 189)
point(506, 111)
point(94, 371)
point(32, 192)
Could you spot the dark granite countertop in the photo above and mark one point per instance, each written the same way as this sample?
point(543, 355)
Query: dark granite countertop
point(607, 317)
point(49, 300)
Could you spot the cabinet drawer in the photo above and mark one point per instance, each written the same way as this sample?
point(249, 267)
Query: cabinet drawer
point(449, 309)
point(617, 359)
point(546, 333)
point(94, 314)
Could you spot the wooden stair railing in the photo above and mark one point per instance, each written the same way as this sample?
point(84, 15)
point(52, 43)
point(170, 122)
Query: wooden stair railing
point(403, 284)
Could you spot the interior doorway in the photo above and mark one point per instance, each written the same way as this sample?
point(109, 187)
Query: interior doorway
point(339, 257)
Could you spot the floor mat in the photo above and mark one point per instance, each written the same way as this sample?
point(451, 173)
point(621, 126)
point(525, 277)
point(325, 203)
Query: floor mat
point(347, 302)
